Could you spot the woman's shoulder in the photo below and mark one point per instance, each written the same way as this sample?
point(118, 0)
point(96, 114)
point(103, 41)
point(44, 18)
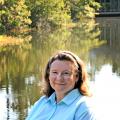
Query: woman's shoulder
point(37, 106)
point(41, 100)
point(86, 108)
point(85, 103)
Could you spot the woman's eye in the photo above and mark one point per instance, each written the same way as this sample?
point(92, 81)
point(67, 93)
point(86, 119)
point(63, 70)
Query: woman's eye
point(54, 72)
point(66, 73)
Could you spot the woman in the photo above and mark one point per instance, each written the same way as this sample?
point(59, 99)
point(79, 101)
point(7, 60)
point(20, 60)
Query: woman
point(66, 90)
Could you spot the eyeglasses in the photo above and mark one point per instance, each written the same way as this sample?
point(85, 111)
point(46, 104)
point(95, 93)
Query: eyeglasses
point(65, 74)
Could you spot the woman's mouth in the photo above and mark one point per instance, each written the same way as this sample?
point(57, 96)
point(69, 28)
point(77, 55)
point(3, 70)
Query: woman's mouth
point(60, 83)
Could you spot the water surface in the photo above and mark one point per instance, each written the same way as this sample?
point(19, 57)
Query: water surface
point(21, 67)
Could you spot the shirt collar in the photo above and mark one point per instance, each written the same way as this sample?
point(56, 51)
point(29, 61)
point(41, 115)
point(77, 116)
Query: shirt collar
point(68, 99)
point(71, 96)
point(52, 98)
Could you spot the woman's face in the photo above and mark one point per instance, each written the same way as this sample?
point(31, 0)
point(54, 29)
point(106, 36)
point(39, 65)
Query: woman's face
point(62, 76)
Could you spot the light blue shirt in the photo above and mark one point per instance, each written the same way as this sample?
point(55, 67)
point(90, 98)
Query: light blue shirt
point(72, 107)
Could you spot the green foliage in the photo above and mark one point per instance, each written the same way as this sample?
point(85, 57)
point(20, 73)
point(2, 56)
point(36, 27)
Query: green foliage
point(13, 14)
point(52, 12)
point(83, 8)
point(1, 1)
point(45, 13)
point(17, 14)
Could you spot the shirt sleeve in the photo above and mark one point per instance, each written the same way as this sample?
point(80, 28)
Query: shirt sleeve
point(35, 108)
point(88, 115)
point(85, 112)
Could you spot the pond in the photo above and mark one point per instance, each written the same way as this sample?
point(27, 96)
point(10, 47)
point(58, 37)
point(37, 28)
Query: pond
point(95, 41)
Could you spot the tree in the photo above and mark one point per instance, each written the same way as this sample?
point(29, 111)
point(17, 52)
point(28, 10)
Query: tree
point(44, 13)
point(52, 12)
point(59, 12)
point(82, 8)
point(13, 14)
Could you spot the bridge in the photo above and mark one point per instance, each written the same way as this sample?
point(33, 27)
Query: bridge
point(109, 7)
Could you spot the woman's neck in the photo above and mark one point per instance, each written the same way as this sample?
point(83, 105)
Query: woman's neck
point(59, 97)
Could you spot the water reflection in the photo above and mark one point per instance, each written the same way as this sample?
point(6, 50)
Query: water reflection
point(105, 65)
point(110, 32)
point(106, 88)
point(21, 68)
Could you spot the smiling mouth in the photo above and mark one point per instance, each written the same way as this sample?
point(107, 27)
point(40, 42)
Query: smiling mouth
point(60, 83)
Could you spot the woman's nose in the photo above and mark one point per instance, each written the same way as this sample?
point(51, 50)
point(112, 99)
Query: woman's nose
point(59, 76)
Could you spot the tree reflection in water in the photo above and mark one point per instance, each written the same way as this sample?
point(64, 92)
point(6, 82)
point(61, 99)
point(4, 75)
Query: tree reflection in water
point(21, 67)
